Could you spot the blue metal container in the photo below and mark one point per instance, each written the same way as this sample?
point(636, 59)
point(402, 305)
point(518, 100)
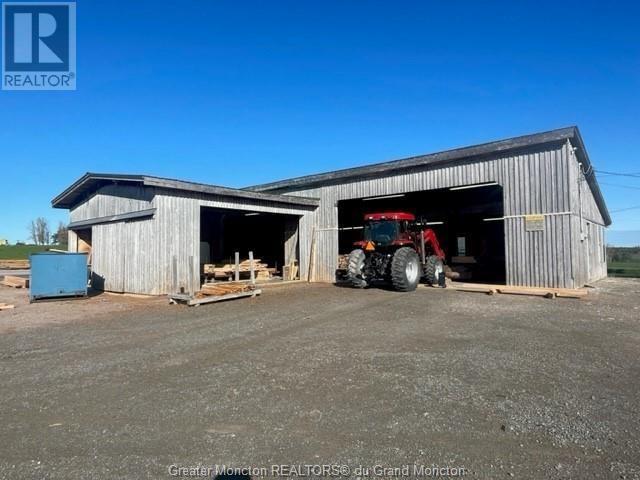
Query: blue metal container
point(58, 275)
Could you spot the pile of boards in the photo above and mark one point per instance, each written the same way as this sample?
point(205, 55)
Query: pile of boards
point(216, 292)
point(224, 288)
point(227, 272)
point(14, 264)
point(15, 282)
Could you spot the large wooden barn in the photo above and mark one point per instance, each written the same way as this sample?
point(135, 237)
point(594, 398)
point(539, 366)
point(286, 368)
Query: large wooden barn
point(524, 211)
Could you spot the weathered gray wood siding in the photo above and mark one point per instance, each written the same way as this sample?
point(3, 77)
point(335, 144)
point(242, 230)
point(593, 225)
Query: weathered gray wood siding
point(113, 200)
point(177, 230)
point(138, 256)
point(537, 182)
point(588, 242)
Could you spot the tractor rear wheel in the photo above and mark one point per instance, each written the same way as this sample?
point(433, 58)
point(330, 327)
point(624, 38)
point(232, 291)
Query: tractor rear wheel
point(405, 270)
point(433, 269)
point(355, 270)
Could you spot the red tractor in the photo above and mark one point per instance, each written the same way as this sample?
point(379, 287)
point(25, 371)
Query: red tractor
point(395, 250)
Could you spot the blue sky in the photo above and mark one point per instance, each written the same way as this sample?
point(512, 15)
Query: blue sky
point(238, 93)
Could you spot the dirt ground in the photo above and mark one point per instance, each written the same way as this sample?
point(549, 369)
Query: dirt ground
point(495, 386)
point(58, 312)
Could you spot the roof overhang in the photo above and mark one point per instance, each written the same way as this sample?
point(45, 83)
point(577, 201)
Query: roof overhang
point(91, 182)
point(457, 155)
point(137, 215)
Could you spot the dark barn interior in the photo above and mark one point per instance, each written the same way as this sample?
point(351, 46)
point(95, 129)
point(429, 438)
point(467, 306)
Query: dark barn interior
point(224, 232)
point(463, 219)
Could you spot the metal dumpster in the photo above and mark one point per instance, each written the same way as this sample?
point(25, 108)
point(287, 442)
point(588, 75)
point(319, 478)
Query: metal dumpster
point(58, 275)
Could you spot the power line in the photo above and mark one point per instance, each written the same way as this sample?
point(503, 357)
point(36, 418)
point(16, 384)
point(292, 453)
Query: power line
point(624, 209)
point(618, 174)
point(632, 187)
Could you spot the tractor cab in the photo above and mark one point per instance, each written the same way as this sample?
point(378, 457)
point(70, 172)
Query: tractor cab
point(395, 250)
point(386, 230)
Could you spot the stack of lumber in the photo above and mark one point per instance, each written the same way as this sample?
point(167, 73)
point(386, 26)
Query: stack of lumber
point(6, 306)
point(15, 282)
point(226, 288)
point(216, 292)
point(262, 270)
point(14, 264)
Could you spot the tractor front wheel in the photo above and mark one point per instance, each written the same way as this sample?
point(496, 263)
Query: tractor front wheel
point(355, 271)
point(433, 269)
point(405, 270)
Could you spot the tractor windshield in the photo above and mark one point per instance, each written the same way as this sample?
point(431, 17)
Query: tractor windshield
point(381, 232)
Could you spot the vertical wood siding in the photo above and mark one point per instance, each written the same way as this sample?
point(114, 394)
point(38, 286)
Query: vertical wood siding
point(138, 256)
point(113, 200)
point(177, 230)
point(538, 182)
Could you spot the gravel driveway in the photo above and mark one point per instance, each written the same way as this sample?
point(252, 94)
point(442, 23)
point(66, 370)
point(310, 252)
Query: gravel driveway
point(494, 386)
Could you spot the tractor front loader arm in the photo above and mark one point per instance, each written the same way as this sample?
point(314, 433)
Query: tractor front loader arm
point(430, 238)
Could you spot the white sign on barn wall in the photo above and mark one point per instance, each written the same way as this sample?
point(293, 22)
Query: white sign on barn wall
point(534, 223)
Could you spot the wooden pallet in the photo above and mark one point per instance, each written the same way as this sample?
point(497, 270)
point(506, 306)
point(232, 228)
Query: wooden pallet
point(15, 282)
point(216, 292)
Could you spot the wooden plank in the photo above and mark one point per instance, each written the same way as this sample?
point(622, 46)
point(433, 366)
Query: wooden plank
point(224, 288)
point(221, 291)
point(18, 280)
point(510, 290)
point(237, 267)
point(473, 288)
point(538, 292)
point(312, 257)
point(220, 298)
point(15, 282)
point(14, 264)
point(223, 285)
point(6, 306)
point(252, 274)
point(247, 262)
point(570, 293)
